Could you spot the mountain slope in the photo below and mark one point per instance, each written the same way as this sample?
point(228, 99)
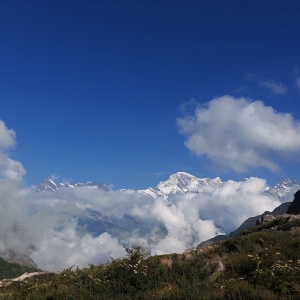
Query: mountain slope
point(15, 256)
point(259, 264)
point(250, 222)
point(13, 269)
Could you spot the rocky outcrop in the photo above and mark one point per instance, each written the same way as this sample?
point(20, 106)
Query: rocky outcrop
point(250, 222)
point(267, 216)
point(265, 219)
point(188, 253)
point(294, 208)
point(270, 218)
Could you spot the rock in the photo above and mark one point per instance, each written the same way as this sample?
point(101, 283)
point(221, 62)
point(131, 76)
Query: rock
point(250, 222)
point(265, 219)
point(218, 266)
point(294, 208)
point(189, 252)
point(293, 217)
point(285, 215)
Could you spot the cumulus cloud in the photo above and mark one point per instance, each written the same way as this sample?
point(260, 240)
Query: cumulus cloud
point(7, 136)
point(66, 248)
point(277, 88)
point(237, 134)
point(45, 225)
point(59, 229)
point(8, 168)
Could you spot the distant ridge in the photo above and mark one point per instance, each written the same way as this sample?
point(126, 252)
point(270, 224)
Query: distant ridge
point(49, 185)
point(179, 183)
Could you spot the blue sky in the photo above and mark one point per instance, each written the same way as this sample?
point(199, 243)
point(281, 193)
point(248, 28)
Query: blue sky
point(93, 89)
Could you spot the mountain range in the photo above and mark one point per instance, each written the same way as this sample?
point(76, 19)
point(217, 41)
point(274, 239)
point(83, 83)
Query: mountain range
point(49, 185)
point(178, 183)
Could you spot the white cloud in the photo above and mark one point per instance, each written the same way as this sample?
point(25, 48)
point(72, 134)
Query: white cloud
point(298, 82)
point(8, 168)
point(66, 248)
point(7, 136)
point(44, 225)
point(277, 88)
point(238, 134)
point(54, 177)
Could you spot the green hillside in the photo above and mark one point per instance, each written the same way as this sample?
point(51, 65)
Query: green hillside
point(260, 263)
point(13, 270)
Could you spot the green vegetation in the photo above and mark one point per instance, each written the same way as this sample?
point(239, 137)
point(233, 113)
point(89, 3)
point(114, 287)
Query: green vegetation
point(260, 263)
point(13, 270)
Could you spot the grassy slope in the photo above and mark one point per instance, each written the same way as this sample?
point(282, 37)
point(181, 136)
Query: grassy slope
point(260, 263)
point(13, 270)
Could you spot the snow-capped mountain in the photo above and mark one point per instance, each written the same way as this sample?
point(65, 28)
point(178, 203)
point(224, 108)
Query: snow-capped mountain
point(181, 183)
point(283, 189)
point(49, 185)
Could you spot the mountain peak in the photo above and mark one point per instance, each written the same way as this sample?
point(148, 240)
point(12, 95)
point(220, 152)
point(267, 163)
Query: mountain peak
point(46, 185)
point(181, 183)
point(48, 179)
point(178, 174)
point(283, 189)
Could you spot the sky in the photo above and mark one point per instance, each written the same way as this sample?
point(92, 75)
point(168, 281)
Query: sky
point(129, 92)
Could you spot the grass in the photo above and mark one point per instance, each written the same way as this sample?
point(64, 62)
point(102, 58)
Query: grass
point(260, 263)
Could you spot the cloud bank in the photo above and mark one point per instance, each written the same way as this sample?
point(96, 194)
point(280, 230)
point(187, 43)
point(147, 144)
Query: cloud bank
point(55, 229)
point(238, 134)
point(45, 225)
